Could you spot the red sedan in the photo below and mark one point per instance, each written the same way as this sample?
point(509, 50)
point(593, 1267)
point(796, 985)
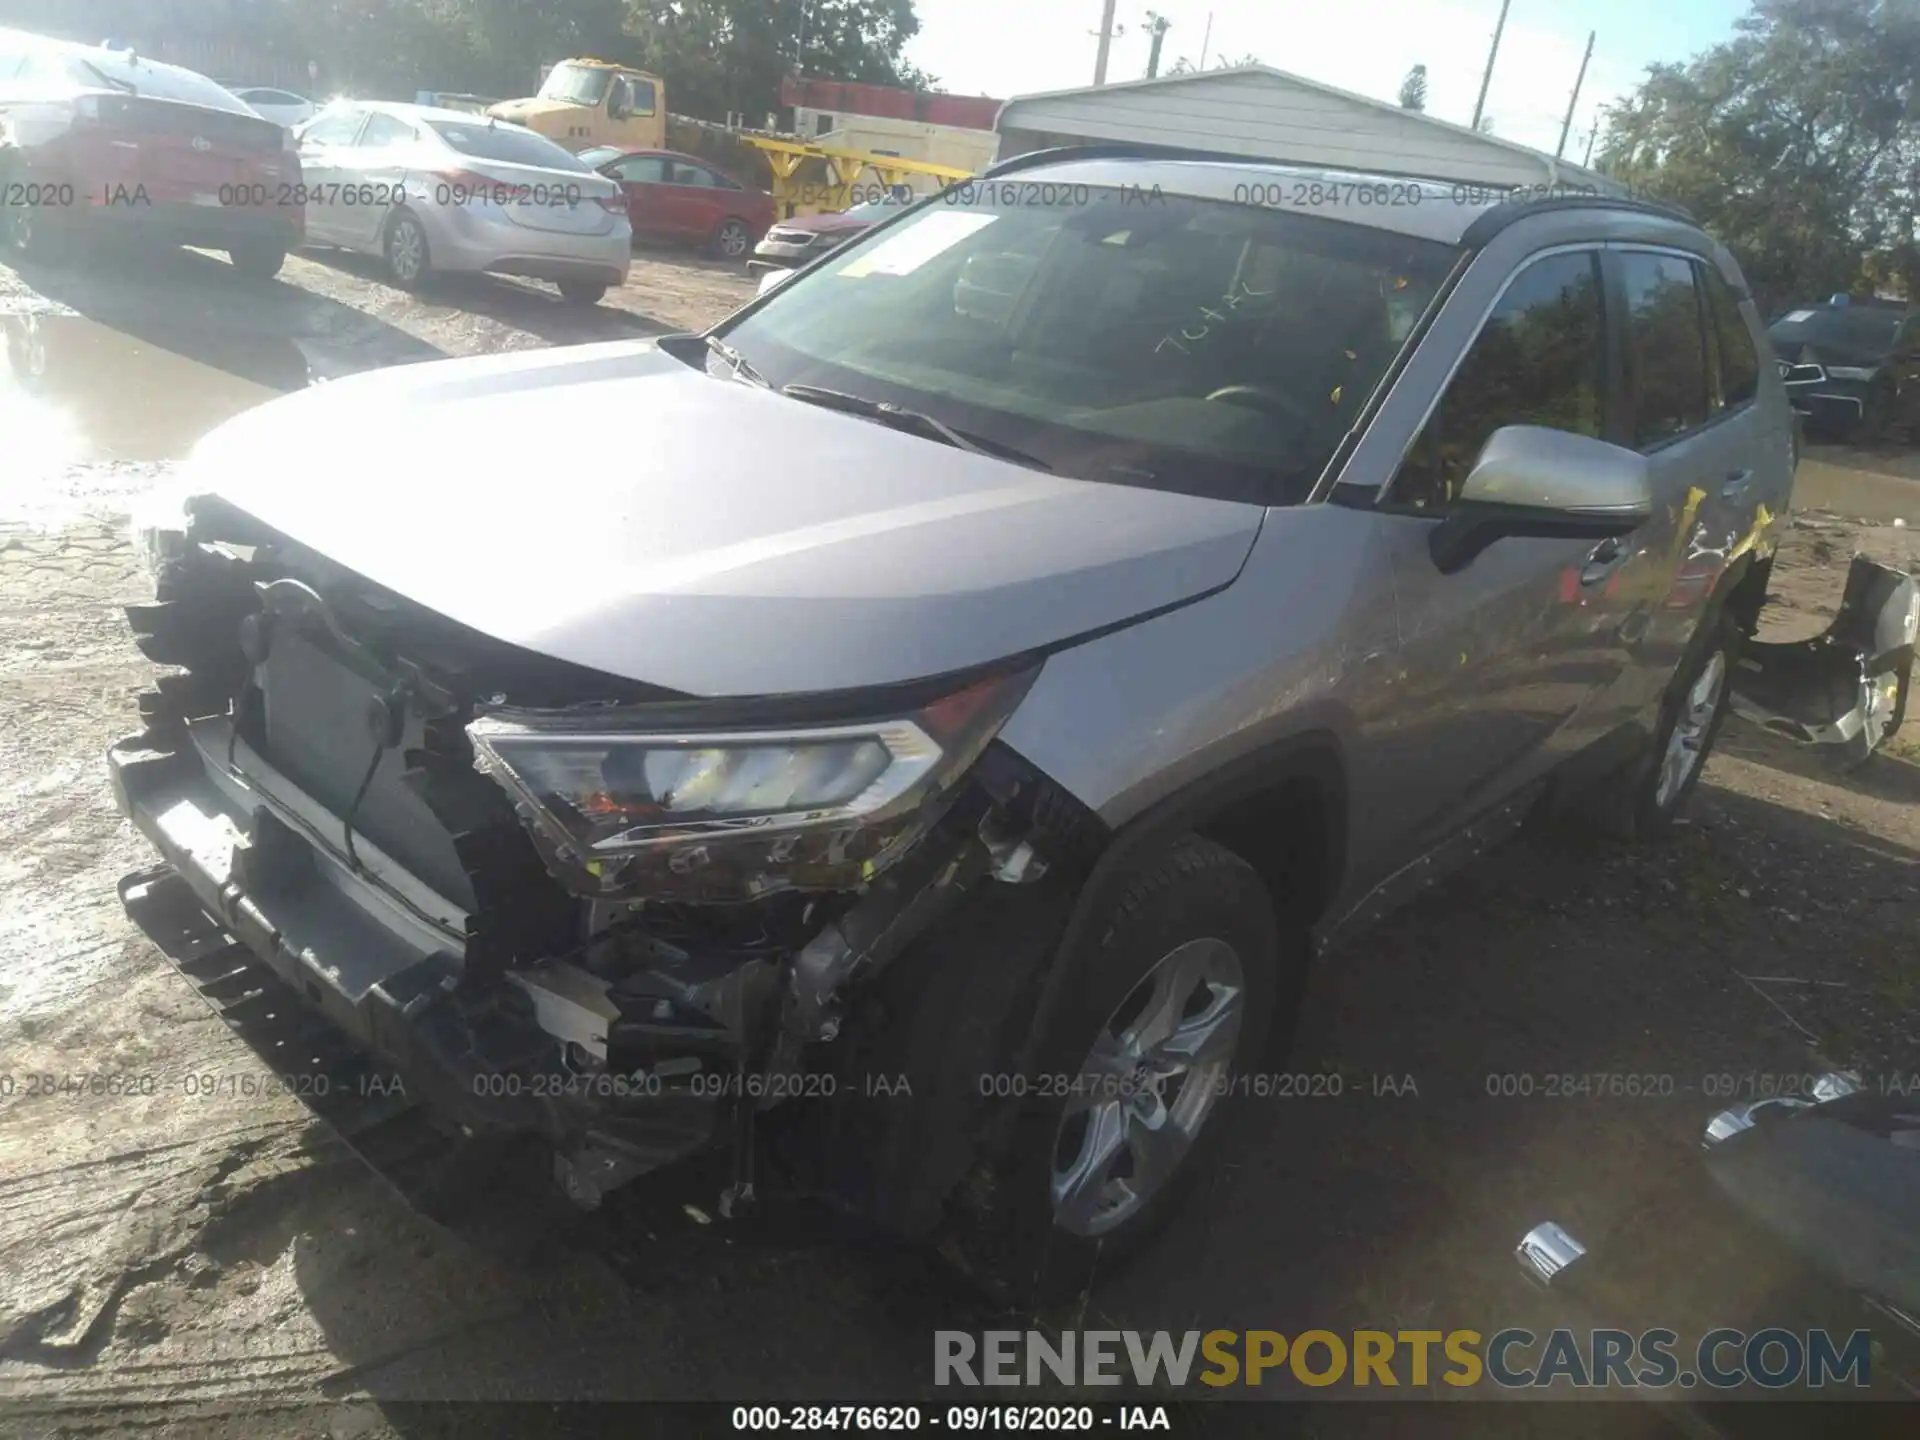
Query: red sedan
point(678, 197)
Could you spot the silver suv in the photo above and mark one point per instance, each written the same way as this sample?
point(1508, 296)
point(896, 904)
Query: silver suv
point(934, 734)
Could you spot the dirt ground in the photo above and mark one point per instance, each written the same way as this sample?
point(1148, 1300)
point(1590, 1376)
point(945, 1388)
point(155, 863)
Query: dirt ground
point(200, 1259)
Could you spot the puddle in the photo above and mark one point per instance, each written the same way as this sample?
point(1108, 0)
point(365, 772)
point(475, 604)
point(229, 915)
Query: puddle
point(91, 414)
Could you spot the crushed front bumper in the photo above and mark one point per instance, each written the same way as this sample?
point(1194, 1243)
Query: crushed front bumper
point(378, 954)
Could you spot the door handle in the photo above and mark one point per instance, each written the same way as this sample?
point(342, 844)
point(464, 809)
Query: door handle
point(1602, 561)
point(1736, 485)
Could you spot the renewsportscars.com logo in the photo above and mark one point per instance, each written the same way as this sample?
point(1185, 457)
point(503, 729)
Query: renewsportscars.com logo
point(1511, 1359)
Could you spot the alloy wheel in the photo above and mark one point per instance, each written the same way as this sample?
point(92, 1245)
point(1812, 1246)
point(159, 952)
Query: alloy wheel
point(1687, 742)
point(732, 240)
point(407, 250)
point(1147, 1086)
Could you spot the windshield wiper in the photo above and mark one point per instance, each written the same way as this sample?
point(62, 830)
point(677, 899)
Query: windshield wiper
point(125, 87)
point(738, 363)
point(901, 418)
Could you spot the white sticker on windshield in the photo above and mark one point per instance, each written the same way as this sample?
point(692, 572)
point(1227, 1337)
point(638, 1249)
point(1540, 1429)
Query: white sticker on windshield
point(1798, 315)
point(918, 243)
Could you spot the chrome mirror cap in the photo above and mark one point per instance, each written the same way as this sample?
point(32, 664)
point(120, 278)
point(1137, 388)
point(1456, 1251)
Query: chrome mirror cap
point(1545, 1251)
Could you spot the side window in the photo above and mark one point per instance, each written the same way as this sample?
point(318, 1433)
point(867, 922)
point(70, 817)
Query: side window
point(642, 170)
point(640, 95)
point(696, 175)
point(1666, 347)
point(1538, 360)
point(385, 130)
point(1739, 362)
point(337, 127)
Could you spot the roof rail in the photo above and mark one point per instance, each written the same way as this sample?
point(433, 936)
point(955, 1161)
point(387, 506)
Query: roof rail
point(1497, 218)
point(1116, 150)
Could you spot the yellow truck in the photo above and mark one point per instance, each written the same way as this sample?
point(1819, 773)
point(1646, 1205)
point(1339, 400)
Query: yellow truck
point(584, 103)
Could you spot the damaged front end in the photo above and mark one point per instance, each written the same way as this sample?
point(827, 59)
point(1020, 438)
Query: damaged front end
point(1845, 690)
point(557, 901)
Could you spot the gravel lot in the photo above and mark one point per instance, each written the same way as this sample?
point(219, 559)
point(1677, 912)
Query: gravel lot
point(222, 1262)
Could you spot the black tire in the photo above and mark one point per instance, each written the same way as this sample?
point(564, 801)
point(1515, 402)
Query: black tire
point(404, 247)
point(34, 234)
point(1003, 1228)
point(582, 292)
point(258, 260)
point(1875, 418)
point(1634, 804)
point(732, 239)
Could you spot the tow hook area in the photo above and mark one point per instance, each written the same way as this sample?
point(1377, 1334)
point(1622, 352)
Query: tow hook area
point(1845, 690)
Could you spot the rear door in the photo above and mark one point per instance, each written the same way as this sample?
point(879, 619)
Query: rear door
point(1699, 452)
point(326, 146)
point(1502, 660)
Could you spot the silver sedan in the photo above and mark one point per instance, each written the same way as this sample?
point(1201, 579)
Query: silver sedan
point(440, 190)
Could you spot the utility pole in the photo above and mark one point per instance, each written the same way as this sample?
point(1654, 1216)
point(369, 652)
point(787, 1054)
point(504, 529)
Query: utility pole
point(1157, 27)
point(1106, 41)
point(1204, 39)
point(1487, 79)
point(1586, 161)
point(1574, 99)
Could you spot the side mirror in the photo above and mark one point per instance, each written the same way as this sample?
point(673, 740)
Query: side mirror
point(772, 280)
point(1532, 481)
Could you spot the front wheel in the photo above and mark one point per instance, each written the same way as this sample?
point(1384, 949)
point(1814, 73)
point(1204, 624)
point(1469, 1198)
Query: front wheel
point(1168, 1003)
point(581, 292)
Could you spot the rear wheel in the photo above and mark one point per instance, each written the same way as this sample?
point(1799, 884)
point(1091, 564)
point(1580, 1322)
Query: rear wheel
point(258, 260)
point(405, 249)
point(1644, 799)
point(731, 240)
point(582, 292)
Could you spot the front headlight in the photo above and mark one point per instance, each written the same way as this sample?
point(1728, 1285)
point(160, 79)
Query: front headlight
point(619, 808)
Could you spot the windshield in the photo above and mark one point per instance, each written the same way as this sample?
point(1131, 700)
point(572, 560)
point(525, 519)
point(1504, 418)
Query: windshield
point(1215, 349)
point(1857, 331)
point(580, 84)
point(501, 142)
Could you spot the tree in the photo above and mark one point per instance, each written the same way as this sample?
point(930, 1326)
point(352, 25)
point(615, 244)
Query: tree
point(1485, 125)
point(1413, 89)
point(721, 56)
point(1797, 142)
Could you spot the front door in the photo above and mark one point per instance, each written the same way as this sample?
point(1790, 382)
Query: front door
point(1502, 661)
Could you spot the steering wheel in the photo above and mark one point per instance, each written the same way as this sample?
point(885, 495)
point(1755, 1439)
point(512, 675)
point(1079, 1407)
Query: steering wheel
point(1261, 397)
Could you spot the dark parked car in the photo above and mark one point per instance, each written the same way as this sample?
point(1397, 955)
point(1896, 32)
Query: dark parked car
point(1850, 366)
point(677, 197)
point(1790, 1247)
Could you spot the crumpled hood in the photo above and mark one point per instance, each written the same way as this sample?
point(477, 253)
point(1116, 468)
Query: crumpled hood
point(610, 506)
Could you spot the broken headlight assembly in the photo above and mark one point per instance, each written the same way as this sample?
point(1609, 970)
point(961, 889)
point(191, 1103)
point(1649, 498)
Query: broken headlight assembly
point(620, 807)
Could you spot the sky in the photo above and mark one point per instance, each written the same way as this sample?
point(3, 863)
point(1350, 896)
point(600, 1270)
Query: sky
point(1012, 47)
